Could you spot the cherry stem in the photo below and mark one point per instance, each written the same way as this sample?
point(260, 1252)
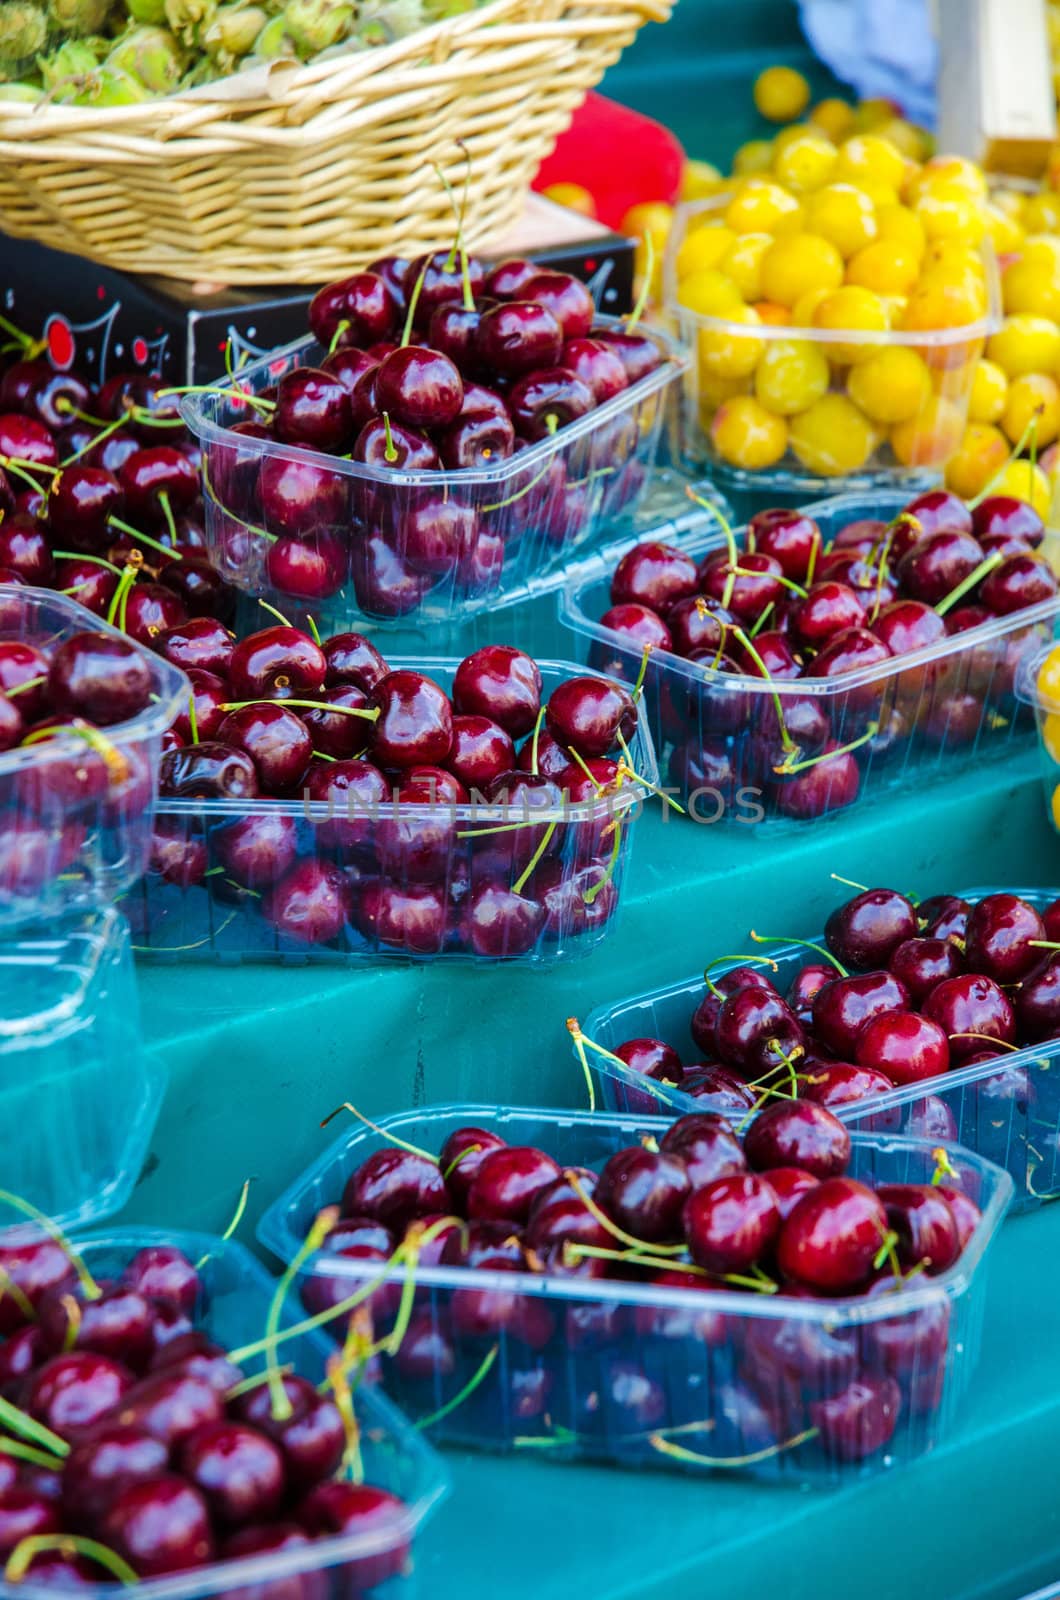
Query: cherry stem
point(574, 1251)
point(638, 687)
point(534, 742)
point(787, 742)
point(463, 1394)
point(762, 620)
point(391, 1138)
point(311, 624)
point(862, 888)
point(23, 688)
point(67, 1544)
point(145, 538)
point(679, 1452)
point(499, 505)
point(306, 705)
point(237, 1215)
point(765, 961)
point(414, 300)
point(15, 467)
point(390, 449)
point(193, 721)
point(652, 788)
point(542, 846)
point(90, 444)
point(352, 1465)
point(576, 1034)
point(95, 561)
point(234, 393)
point(265, 606)
point(342, 328)
point(993, 560)
point(167, 512)
point(988, 1038)
point(24, 1452)
point(18, 1295)
point(280, 1403)
point(28, 1428)
point(458, 244)
point(887, 1252)
point(944, 1167)
point(788, 768)
point(590, 895)
point(26, 1208)
point(1030, 431)
point(24, 340)
point(803, 944)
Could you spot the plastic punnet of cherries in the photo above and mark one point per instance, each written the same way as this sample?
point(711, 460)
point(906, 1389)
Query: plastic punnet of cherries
point(902, 994)
point(135, 1446)
point(387, 756)
point(788, 608)
point(100, 497)
point(699, 1208)
point(430, 366)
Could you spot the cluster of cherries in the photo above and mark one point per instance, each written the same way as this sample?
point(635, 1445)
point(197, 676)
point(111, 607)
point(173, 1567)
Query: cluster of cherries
point(700, 1209)
point(100, 498)
point(373, 763)
point(68, 689)
point(902, 994)
point(148, 1441)
point(488, 365)
point(789, 608)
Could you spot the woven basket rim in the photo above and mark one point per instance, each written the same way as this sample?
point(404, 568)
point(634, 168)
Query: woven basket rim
point(332, 74)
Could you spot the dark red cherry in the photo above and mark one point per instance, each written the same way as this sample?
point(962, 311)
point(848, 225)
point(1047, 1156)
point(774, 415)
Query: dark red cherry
point(566, 297)
point(937, 563)
point(257, 850)
point(370, 1518)
point(508, 279)
point(925, 1225)
point(502, 923)
point(654, 575)
point(832, 1236)
point(938, 510)
point(208, 771)
point(81, 502)
point(518, 337)
point(278, 663)
point(789, 1184)
point(922, 963)
point(150, 610)
point(506, 1182)
point(588, 714)
point(1020, 581)
point(745, 588)
point(70, 1392)
point(309, 904)
point(642, 626)
point(313, 410)
point(731, 1222)
point(481, 751)
point(644, 1192)
point(1003, 937)
point(299, 497)
point(394, 1186)
point(106, 1460)
point(419, 387)
point(415, 723)
point(501, 683)
point(26, 439)
point(356, 311)
point(352, 659)
point(238, 1471)
point(311, 568)
point(598, 366)
point(906, 625)
point(348, 364)
point(198, 642)
point(790, 537)
point(638, 352)
point(1037, 1003)
point(843, 1007)
point(199, 586)
point(828, 609)
point(860, 1420)
point(971, 1010)
point(652, 1059)
point(866, 931)
point(461, 1156)
point(389, 445)
point(1003, 515)
point(798, 1133)
point(312, 1437)
point(697, 624)
point(435, 532)
point(160, 1525)
point(707, 1145)
point(904, 1046)
point(275, 739)
point(24, 1515)
point(755, 1031)
point(153, 472)
point(99, 677)
point(546, 400)
point(25, 549)
point(334, 733)
point(441, 280)
point(162, 1273)
point(476, 441)
point(943, 915)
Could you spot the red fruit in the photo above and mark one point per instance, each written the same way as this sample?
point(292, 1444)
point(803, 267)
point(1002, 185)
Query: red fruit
point(798, 1133)
point(832, 1237)
point(904, 1046)
point(731, 1223)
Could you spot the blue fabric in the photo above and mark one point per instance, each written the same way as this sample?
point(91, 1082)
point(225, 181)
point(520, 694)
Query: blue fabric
point(879, 47)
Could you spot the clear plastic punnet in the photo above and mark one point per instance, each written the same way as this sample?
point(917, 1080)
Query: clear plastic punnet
point(867, 427)
point(483, 881)
point(77, 1097)
point(1006, 1109)
point(297, 525)
point(639, 1374)
point(75, 817)
point(892, 727)
point(231, 1309)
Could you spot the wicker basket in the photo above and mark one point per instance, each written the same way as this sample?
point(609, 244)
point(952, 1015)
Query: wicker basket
point(297, 174)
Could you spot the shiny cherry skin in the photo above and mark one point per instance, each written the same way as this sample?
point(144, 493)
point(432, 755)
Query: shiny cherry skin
point(1037, 1003)
point(567, 298)
point(419, 387)
point(905, 1046)
point(925, 1225)
point(394, 1186)
point(508, 279)
point(937, 510)
point(517, 337)
point(798, 1133)
point(348, 364)
point(718, 1088)
point(435, 533)
point(652, 1058)
point(1003, 938)
point(475, 441)
point(106, 1460)
point(238, 1471)
point(828, 609)
point(843, 1007)
point(638, 352)
point(707, 1145)
point(98, 677)
point(150, 610)
point(731, 1222)
point(597, 365)
point(357, 310)
point(501, 683)
point(696, 624)
point(642, 626)
point(966, 1213)
point(26, 439)
point(333, 733)
point(499, 922)
point(654, 575)
point(644, 1192)
point(257, 850)
point(117, 1324)
point(908, 625)
point(441, 282)
point(350, 658)
point(160, 1525)
point(310, 568)
point(971, 1009)
point(208, 770)
point(278, 663)
point(1020, 581)
point(860, 1420)
point(943, 915)
point(588, 714)
point(300, 497)
point(806, 984)
point(937, 564)
point(507, 1181)
point(413, 918)
point(313, 410)
point(393, 446)
point(170, 1405)
point(461, 1156)
point(362, 1512)
point(309, 904)
point(164, 1274)
point(452, 331)
point(70, 1392)
point(275, 739)
point(312, 1437)
point(24, 1515)
point(746, 589)
point(921, 963)
point(80, 504)
point(203, 643)
point(789, 1184)
point(1003, 515)
point(832, 1236)
point(790, 537)
point(755, 1030)
point(481, 751)
point(25, 549)
point(153, 472)
point(840, 1083)
point(199, 585)
point(546, 400)
point(865, 931)
point(415, 723)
